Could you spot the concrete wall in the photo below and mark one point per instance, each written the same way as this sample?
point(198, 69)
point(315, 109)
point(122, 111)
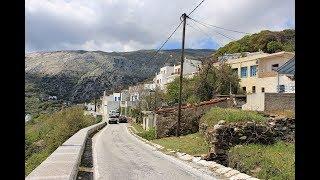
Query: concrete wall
point(64, 162)
point(279, 101)
point(255, 102)
point(149, 120)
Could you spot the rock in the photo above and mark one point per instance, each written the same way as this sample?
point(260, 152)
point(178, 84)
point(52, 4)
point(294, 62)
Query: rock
point(223, 170)
point(204, 163)
point(231, 173)
point(196, 159)
point(240, 176)
point(180, 154)
point(217, 126)
point(243, 137)
point(221, 122)
point(186, 157)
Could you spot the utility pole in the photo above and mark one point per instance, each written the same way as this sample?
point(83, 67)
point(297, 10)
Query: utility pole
point(95, 102)
point(184, 17)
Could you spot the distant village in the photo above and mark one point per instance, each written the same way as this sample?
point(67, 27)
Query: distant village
point(260, 74)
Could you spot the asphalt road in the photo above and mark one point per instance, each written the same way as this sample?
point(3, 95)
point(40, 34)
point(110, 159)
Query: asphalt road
point(119, 155)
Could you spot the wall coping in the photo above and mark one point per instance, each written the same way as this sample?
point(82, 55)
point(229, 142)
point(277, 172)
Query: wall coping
point(189, 106)
point(63, 163)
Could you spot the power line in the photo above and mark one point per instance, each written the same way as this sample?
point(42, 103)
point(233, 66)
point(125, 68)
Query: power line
point(199, 29)
point(195, 7)
point(175, 30)
point(220, 27)
point(224, 35)
point(166, 40)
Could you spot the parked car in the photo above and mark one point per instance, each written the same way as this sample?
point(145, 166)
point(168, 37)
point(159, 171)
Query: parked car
point(113, 120)
point(123, 119)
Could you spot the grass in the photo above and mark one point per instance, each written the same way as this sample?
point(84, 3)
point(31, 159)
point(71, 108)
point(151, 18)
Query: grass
point(47, 132)
point(193, 144)
point(138, 127)
point(274, 162)
point(150, 134)
point(214, 115)
point(284, 112)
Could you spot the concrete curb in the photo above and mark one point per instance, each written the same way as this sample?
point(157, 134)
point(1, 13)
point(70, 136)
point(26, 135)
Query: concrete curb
point(225, 172)
point(64, 162)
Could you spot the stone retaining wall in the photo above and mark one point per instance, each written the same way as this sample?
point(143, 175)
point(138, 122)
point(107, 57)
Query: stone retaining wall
point(64, 162)
point(223, 136)
point(166, 120)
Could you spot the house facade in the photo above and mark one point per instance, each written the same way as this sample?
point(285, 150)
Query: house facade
point(109, 103)
point(258, 72)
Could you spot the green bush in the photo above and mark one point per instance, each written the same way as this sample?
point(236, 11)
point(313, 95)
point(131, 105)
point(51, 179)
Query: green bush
point(99, 118)
point(48, 132)
point(275, 161)
point(149, 135)
point(214, 115)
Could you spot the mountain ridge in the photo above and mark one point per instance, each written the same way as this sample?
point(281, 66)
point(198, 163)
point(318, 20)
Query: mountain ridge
point(80, 75)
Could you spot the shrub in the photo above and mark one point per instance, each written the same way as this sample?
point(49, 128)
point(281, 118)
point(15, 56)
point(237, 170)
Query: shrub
point(50, 131)
point(150, 134)
point(214, 115)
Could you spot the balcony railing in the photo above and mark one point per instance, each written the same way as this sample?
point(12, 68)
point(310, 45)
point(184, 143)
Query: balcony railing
point(267, 74)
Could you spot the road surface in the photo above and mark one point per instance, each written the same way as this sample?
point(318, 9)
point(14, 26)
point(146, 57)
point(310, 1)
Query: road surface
point(119, 155)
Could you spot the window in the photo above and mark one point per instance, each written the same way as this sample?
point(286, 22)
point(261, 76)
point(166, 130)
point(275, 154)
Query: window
point(243, 72)
point(274, 67)
point(119, 98)
point(115, 98)
point(253, 70)
point(253, 89)
point(281, 88)
point(235, 71)
point(262, 89)
point(244, 89)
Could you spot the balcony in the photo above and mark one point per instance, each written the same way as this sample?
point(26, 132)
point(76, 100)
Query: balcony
point(267, 74)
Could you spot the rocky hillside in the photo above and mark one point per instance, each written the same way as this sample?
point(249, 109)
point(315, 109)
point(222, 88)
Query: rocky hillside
point(78, 76)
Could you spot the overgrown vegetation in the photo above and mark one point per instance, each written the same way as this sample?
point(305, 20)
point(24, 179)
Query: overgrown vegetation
point(266, 41)
point(47, 132)
point(193, 144)
point(209, 82)
point(274, 162)
point(214, 115)
point(150, 134)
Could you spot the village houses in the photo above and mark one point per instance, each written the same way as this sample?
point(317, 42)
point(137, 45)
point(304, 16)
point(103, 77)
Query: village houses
point(262, 73)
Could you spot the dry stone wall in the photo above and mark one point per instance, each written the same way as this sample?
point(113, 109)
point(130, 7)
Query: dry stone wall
point(223, 136)
point(166, 121)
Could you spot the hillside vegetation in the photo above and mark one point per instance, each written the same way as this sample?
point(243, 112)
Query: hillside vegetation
point(266, 41)
point(47, 132)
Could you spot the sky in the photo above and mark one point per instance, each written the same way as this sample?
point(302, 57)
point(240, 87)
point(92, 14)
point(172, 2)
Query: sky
point(128, 25)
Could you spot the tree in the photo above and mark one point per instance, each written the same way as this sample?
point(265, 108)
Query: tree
point(205, 87)
point(172, 93)
point(225, 78)
point(274, 46)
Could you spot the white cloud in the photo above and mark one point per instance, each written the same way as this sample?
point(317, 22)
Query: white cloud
point(124, 25)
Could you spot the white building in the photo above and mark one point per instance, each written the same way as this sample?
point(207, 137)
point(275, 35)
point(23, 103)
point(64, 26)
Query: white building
point(167, 74)
point(110, 103)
